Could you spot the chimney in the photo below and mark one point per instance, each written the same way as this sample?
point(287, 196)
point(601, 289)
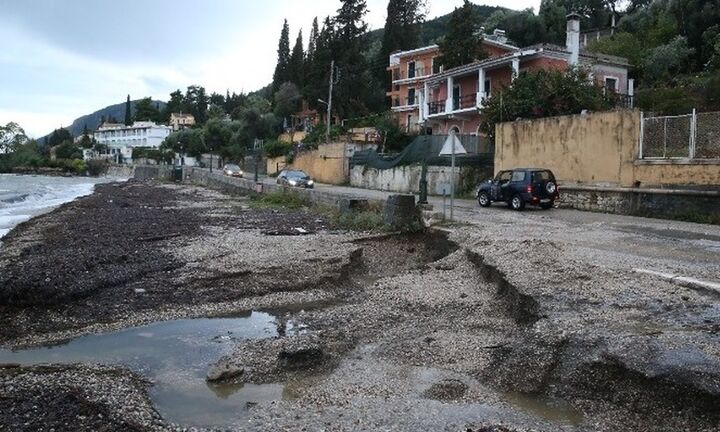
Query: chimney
point(573, 38)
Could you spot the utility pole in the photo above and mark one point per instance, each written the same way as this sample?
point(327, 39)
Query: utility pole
point(329, 104)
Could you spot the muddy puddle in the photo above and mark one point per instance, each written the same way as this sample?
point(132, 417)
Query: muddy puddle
point(548, 408)
point(175, 356)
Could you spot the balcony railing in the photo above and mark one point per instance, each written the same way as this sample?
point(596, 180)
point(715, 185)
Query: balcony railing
point(400, 102)
point(464, 102)
point(405, 74)
point(437, 107)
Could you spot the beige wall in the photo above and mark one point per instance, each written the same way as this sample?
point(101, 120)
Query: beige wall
point(325, 165)
point(275, 165)
point(292, 137)
point(599, 148)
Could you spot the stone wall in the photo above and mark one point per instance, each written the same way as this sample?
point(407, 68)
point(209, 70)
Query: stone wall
point(153, 172)
point(639, 201)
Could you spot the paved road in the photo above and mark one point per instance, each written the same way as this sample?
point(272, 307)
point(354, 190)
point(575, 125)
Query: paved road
point(623, 242)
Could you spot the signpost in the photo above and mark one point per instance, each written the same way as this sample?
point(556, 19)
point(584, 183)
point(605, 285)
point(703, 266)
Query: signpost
point(452, 147)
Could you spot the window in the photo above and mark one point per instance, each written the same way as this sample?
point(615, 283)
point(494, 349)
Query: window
point(409, 122)
point(518, 176)
point(488, 88)
point(411, 96)
point(504, 176)
point(455, 130)
point(411, 69)
point(611, 84)
point(456, 98)
point(542, 176)
point(436, 67)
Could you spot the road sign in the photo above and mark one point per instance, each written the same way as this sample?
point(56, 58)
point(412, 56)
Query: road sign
point(452, 146)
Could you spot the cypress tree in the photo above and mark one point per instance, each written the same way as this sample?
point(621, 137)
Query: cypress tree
point(128, 113)
point(312, 43)
point(354, 76)
point(461, 45)
point(297, 62)
point(282, 69)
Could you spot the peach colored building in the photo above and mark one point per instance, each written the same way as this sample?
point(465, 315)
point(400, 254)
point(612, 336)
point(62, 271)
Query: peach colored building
point(451, 100)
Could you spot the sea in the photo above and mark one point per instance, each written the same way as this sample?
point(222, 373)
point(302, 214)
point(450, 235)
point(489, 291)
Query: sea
point(25, 196)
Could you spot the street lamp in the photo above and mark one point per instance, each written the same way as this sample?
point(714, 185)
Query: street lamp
point(327, 131)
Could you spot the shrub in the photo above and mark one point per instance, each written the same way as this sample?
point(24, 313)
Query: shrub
point(275, 148)
point(97, 167)
point(284, 199)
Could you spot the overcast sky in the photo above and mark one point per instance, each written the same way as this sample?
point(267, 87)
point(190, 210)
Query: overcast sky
point(60, 59)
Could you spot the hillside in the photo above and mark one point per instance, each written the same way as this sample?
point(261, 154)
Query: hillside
point(92, 121)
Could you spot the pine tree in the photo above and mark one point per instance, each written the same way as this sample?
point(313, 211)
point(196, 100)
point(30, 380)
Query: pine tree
point(281, 70)
point(297, 62)
point(462, 44)
point(128, 112)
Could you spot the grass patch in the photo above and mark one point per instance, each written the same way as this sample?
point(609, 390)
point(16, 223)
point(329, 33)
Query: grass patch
point(285, 199)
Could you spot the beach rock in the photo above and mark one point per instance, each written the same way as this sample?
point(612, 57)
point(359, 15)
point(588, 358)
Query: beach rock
point(224, 370)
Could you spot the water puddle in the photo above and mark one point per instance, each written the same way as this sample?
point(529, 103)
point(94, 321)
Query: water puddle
point(554, 410)
point(175, 355)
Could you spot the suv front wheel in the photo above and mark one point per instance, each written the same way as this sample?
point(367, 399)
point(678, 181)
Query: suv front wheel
point(517, 203)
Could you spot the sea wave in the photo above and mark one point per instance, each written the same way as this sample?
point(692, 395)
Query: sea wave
point(25, 197)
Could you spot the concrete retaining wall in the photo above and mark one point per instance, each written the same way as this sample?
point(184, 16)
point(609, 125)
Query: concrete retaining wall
point(153, 172)
point(231, 185)
point(406, 179)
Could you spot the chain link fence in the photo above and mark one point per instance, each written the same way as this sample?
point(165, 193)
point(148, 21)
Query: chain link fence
point(690, 136)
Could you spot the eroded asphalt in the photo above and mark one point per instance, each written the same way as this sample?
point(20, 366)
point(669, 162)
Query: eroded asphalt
point(505, 321)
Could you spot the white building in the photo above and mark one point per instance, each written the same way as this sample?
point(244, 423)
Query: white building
point(121, 139)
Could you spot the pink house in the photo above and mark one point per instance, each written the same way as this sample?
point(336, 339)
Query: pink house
point(451, 100)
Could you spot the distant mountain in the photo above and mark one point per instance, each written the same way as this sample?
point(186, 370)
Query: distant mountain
point(92, 121)
point(434, 29)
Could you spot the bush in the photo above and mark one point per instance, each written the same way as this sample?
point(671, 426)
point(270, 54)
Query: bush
point(275, 148)
point(543, 94)
point(284, 199)
point(97, 167)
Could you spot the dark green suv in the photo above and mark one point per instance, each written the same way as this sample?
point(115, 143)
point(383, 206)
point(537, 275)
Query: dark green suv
point(520, 187)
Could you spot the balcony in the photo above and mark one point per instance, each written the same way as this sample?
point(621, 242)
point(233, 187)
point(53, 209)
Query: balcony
point(465, 102)
point(418, 72)
point(462, 103)
point(408, 102)
point(437, 107)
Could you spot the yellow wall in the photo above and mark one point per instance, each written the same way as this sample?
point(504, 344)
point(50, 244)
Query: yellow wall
point(326, 164)
point(599, 148)
point(292, 138)
point(275, 164)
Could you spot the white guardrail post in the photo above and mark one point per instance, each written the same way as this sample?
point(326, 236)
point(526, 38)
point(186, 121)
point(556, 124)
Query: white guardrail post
point(642, 134)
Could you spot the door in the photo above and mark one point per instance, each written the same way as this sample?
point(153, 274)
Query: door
point(501, 180)
point(411, 70)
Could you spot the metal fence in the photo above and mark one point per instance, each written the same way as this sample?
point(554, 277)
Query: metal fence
point(689, 136)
